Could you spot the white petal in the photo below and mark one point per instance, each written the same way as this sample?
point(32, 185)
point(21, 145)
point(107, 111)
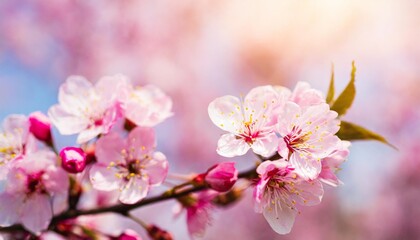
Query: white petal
point(226, 113)
point(229, 146)
point(307, 167)
point(135, 190)
point(104, 178)
point(74, 94)
point(280, 217)
point(89, 134)
point(266, 146)
point(37, 213)
point(65, 122)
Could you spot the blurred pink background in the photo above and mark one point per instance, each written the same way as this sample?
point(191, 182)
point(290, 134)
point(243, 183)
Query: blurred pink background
point(199, 50)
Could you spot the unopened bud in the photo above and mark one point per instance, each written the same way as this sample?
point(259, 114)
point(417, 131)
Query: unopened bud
point(158, 234)
point(40, 126)
point(73, 159)
point(221, 177)
point(129, 235)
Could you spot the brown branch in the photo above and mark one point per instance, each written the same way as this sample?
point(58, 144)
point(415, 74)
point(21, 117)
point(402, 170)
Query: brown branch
point(124, 209)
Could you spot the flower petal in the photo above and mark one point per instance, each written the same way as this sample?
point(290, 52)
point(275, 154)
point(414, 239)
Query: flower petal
point(141, 141)
point(135, 190)
point(226, 113)
point(37, 213)
point(65, 122)
point(266, 146)
point(74, 94)
point(104, 178)
point(156, 168)
point(307, 167)
point(10, 206)
point(280, 217)
point(109, 149)
point(229, 146)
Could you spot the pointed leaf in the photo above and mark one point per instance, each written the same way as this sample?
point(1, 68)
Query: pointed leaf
point(330, 94)
point(345, 100)
point(350, 131)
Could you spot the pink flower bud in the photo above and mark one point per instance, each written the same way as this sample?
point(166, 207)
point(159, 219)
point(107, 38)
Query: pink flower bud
point(158, 234)
point(221, 177)
point(40, 126)
point(73, 159)
point(129, 235)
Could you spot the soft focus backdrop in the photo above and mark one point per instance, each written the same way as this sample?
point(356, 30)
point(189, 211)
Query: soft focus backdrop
point(199, 50)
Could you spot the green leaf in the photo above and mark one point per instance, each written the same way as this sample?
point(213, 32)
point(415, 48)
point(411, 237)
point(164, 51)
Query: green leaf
point(350, 131)
point(345, 100)
point(330, 94)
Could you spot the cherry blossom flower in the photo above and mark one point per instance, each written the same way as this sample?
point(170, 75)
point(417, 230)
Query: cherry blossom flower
point(307, 136)
point(35, 188)
point(87, 109)
point(199, 207)
point(331, 164)
point(147, 106)
point(250, 122)
point(279, 190)
point(15, 141)
point(129, 165)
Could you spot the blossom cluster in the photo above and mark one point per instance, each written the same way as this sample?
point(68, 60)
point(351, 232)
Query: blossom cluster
point(300, 128)
point(293, 133)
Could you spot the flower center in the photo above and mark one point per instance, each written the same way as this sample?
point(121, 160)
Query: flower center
point(34, 183)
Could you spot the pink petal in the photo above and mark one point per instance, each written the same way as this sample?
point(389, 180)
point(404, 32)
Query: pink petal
point(10, 206)
point(133, 191)
point(280, 217)
point(229, 146)
point(148, 106)
point(104, 178)
point(65, 122)
point(109, 149)
point(37, 213)
point(141, 141)
point(197, 220)
point(225, 112)
point(266, 146)
point(156, 169)
point(111, 88)
point(310, 192)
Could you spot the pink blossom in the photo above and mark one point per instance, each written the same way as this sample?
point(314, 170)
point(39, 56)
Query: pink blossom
point(250, 122)
point(147, 106)
point(221, 177)
point(331, 164)
point(87, 109)
point(73, 159)
point(307, 136)
point(130, 165)
point(35, 187)
point(278, 191)
point(198, 207)
point(15, 141)
point(40, 126)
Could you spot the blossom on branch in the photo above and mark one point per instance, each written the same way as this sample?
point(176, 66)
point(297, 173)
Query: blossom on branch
point(279, 190)
point(250, 122)
point(130, 165)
